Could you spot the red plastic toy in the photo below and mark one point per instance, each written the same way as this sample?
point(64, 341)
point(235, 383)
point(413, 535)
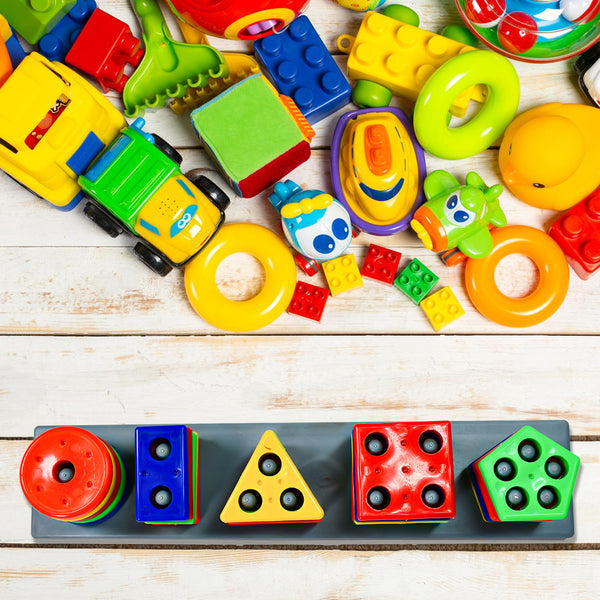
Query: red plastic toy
point(381, 264)
point(308, 301)
point(577, 232)
point(103, 49)
point(238, 19)
point(402, 472)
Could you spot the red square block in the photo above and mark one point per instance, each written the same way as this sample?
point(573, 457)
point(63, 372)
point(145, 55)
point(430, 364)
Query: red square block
point(308, 301)
point(402, 472)
point(381, 264)
point(577, 232)
point(103, 49)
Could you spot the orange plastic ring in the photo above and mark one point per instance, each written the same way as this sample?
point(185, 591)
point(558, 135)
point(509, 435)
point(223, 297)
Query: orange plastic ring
point(542, 302)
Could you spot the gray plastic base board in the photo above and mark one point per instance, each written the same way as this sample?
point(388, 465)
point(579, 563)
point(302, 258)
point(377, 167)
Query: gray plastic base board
point(322, 453)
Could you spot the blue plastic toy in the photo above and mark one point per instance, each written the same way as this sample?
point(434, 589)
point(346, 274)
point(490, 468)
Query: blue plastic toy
point(314, 223)
point(300, 66)
point(57, 42)
point(163, 468)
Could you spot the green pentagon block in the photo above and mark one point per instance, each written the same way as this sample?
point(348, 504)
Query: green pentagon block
point(529, 477)
point(34, 18)
point(416, 280)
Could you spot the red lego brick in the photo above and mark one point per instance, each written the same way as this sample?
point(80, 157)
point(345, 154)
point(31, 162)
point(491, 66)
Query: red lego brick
point(308, 301)
point(403, 472)
point(577, 232)
point(381, 264)
point(103, 49)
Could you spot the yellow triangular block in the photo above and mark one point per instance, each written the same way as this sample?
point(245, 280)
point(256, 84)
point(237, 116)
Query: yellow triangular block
point(271, 489)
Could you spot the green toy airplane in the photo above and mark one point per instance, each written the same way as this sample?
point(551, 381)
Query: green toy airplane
point(458, 216)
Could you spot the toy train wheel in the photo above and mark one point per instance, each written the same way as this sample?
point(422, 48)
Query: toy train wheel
point(213, 192)
point(152, 260)
point(104, 220)
point(167, 149)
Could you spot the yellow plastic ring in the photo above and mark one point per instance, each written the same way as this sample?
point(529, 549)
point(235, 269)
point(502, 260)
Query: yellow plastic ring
point(262, 309)
point(542, 302)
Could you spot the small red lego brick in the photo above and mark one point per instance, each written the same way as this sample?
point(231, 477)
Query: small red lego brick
point(103, 49)
point(308, 301)
point(381, 264)
point(403, 472)
point(577, 232)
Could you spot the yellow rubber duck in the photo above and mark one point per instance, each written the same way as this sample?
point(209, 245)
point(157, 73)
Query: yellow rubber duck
point(550, 155)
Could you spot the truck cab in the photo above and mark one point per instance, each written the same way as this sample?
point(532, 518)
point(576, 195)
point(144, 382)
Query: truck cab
point(136, 185)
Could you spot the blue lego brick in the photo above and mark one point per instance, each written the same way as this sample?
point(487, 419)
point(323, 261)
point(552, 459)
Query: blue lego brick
point(15, 50)
point(56, 43)
point(154, 471)
point(298, 63)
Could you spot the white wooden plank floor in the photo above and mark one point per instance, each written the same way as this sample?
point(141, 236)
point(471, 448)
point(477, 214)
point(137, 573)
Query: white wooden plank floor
point(88, 335)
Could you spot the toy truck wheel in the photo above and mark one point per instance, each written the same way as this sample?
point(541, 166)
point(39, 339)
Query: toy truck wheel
point(152, 260)
point(213, 192)
point(167, 149)
point(103, 219)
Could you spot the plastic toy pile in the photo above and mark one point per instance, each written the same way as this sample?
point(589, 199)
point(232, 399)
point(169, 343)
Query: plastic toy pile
point(67, 143)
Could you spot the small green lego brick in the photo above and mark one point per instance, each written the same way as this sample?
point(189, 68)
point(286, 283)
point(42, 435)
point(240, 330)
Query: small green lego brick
point(529, 477)
point(342, 274)
point(442, 308)
point(416, 280)
point(32, 19)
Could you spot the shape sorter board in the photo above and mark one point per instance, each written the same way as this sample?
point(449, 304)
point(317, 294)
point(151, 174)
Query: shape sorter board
point(322, 452)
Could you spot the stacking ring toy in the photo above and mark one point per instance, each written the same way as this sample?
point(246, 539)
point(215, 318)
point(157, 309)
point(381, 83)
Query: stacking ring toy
point(445, 84)
point(70, 474)
point(540, 304)
point(268, 304)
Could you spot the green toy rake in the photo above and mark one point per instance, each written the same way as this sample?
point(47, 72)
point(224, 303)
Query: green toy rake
point(168, 68)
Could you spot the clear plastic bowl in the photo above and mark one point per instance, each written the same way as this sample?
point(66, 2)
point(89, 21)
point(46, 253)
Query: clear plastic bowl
point(534, 30)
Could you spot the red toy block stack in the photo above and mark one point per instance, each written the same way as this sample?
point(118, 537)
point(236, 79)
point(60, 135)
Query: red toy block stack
point(103, 49)
point(381, 264)
point(577, 232)
point(402, 472)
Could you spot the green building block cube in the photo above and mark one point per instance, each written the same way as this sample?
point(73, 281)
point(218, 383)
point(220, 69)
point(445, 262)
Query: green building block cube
point(32, 19)
point(416, 280)
point(253, 134)
point(529, 477)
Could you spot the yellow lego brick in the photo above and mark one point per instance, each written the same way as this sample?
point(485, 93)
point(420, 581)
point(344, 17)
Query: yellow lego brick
point(342, 274)
point(271, 489)
point(442, 308)
point(402, 57)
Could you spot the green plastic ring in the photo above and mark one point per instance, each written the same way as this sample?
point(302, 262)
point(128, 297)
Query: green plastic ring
point(450, 80)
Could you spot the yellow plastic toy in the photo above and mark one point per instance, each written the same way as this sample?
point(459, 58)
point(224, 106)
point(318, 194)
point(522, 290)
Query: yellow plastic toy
point(271, 489)
point(550, 155)
point(53, 123)
point(543, 301)
point(257, 312)
point(342, 274)
point(442, 308)
point(401, 58)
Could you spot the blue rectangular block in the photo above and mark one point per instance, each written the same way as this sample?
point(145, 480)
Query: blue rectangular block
point(56, 43)
point(162, 473)
point(299, 65)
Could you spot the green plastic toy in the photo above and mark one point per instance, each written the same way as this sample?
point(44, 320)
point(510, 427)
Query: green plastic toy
point(452, 79)
point(416, 280)
point(527, 477)
point(32, 19)
point(458, 216)
point(168, 68)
